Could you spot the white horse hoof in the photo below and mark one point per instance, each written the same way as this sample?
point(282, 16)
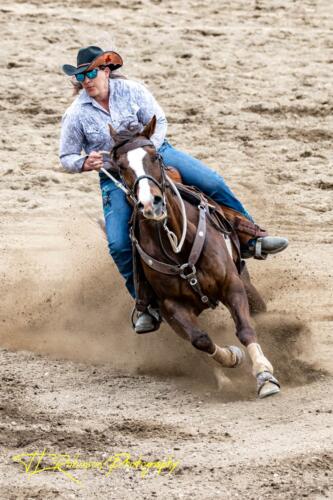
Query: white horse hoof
point(268, 389)
point(267, 385)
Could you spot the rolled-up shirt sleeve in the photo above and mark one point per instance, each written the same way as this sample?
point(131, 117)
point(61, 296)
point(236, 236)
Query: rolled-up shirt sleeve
point(71, 144)
point(148, 107)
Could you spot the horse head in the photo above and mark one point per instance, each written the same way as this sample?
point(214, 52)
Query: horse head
point(140, 169)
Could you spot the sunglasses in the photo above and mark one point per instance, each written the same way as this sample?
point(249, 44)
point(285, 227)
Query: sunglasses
point(90, 74)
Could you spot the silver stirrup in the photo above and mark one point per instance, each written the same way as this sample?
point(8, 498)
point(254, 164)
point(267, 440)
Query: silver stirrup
point(258, 250)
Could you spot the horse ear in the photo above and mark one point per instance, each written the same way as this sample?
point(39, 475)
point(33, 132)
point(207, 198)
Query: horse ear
point(113, 132)
point(150, 128)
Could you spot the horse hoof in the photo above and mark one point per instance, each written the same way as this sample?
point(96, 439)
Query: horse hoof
point(238, 355)
point(267, 385)
point(268, 389)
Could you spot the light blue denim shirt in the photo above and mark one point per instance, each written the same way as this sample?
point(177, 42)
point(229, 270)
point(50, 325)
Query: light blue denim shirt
point(85, 122)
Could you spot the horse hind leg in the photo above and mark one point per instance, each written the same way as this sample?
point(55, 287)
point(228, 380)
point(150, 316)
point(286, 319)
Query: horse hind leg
point(185, 324)
point(235, 299)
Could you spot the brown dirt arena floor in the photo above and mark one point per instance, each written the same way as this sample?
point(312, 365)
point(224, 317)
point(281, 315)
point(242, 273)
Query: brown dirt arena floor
point(247, 87)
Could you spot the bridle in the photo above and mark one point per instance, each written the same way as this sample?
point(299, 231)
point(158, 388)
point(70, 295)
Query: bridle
point(130, 144)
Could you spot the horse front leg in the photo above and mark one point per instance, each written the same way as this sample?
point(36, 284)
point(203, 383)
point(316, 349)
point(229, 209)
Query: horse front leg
point(185, 323)
point(235, 298)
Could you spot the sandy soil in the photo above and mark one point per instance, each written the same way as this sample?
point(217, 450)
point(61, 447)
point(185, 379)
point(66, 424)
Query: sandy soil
point(247, 88)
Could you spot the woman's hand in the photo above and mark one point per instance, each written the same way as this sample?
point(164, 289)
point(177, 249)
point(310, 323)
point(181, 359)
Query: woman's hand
point(93, 162)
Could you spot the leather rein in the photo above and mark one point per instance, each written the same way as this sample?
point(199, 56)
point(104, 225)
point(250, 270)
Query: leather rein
point(186, 271)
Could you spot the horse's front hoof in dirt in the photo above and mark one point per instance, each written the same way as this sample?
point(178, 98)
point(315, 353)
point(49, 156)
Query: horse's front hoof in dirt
point(267, 385)
point(229, 356)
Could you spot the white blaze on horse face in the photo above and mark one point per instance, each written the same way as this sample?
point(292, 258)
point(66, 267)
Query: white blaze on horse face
point(135, 160)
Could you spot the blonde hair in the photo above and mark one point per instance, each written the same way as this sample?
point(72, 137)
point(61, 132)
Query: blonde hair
point(77, 86)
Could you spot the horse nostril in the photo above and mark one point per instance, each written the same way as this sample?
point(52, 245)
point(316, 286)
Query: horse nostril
point(140, 205)
point(157, 200)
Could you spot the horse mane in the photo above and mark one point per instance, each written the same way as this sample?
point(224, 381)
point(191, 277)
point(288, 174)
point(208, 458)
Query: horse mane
point(127, 134)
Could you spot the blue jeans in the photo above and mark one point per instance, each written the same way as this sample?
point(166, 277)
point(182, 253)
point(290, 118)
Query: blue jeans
point(117, 211)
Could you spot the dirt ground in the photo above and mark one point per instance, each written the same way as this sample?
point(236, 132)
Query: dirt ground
point(246, 86)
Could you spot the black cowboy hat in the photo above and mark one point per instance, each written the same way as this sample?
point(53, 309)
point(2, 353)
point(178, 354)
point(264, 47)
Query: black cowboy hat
point(91, 57)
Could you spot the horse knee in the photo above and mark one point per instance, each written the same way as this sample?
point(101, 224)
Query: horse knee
point(246, 335)
point(202, 342)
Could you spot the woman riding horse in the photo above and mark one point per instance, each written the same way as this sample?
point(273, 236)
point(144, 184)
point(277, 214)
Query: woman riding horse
point(126, 104)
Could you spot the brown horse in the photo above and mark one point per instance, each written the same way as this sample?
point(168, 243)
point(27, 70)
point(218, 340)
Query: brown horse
point(186, 255)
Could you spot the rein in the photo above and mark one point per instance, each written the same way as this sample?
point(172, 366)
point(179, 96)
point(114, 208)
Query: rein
point(176, 247)
point(119, 184)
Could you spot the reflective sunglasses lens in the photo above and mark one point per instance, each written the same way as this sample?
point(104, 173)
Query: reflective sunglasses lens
point(92, 74)
point(80, 77)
